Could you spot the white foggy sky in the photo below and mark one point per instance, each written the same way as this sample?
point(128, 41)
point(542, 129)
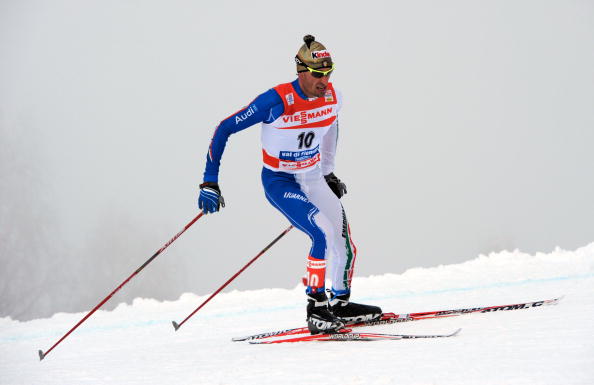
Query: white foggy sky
point(468, 127)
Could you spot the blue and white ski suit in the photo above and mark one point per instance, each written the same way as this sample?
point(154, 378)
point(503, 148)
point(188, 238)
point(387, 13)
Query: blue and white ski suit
point(299, 137)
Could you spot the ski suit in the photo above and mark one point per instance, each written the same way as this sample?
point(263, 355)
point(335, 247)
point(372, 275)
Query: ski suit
point(299, 137)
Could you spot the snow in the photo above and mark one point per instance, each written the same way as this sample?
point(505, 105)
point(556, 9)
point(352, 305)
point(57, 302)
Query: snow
point(136, 343)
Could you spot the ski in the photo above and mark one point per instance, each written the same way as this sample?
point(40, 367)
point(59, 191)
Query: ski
point(348, 335)
point(390, 318)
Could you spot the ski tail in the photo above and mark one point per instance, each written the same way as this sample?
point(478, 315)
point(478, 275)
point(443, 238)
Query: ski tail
point(286, 332)
point(348, 335)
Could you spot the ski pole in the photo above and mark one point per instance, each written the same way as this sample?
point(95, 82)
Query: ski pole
point(42, 354)
point(178, 325)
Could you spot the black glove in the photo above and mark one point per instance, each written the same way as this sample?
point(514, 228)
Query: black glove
point(210, 199)
point(336, 185)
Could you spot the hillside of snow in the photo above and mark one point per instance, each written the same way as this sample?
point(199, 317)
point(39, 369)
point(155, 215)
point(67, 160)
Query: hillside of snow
point(136, 344)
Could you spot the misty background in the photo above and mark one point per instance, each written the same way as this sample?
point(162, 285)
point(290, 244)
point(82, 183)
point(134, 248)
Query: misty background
point(468, 128)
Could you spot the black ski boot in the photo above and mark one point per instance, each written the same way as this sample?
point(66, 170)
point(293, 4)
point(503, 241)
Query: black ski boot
point(351, 312)
point(319, 318)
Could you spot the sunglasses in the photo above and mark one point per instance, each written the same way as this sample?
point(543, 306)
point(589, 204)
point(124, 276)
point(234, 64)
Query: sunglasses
point(319, 74)
point(315, 73)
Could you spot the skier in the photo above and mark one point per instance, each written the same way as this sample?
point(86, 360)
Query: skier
point(299, 137)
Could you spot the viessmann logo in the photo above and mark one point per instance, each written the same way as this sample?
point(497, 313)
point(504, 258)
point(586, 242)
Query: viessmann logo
point(304, 116)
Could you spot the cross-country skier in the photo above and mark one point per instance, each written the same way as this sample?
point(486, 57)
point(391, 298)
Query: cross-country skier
point(299, 137)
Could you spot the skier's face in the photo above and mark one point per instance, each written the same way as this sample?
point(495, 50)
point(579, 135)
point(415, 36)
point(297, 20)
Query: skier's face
point(313, 87)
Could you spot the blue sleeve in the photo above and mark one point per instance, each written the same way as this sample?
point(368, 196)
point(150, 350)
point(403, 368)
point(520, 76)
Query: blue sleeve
point(265, 108)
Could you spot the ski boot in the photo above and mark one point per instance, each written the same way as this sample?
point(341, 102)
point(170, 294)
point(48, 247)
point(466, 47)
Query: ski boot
point(351, 312)
point(319, 318)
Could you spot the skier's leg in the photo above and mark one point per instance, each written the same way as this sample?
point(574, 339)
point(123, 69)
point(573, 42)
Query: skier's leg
point(341, 249)
point(342, 253)
point(285, 194)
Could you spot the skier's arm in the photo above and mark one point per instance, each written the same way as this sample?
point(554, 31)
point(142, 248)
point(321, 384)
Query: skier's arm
point(328, 150)
point(329, 144)
point(257, 111)
point(328, 154)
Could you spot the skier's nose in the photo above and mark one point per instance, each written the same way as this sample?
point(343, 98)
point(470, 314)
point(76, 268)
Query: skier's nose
point(324, 80)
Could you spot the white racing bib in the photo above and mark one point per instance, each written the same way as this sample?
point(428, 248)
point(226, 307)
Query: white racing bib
point(291, 143)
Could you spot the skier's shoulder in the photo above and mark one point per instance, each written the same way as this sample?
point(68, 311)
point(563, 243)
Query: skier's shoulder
point(269, 105)
point(268, 98)
point(337, 91)
point(258, 110)
point(338, 94)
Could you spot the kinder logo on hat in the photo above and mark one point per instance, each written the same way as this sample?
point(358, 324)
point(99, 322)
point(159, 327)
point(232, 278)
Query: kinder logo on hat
point(320, 54)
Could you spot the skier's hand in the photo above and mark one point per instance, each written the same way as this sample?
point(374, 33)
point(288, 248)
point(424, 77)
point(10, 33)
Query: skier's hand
point(335, 185)
point(210, 199)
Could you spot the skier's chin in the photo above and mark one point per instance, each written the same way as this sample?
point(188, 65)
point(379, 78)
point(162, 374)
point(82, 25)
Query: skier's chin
point(320, 91)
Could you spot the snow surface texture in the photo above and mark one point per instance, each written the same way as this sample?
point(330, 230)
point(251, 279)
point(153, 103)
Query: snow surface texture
point(136, 344)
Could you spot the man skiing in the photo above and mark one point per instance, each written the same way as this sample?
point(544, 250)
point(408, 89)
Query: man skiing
point(299, 137)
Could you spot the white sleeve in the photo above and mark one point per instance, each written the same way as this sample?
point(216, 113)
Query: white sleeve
point(330, 140)
point(329, 148)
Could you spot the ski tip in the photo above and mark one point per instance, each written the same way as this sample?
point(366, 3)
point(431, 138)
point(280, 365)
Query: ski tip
point(175, 325)
point(455, 333)
point(41, 355)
